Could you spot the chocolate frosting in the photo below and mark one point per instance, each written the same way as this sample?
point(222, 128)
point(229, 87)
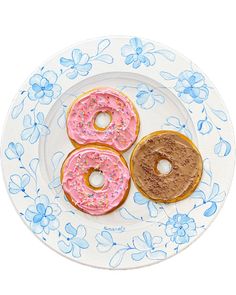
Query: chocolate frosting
point(186, 164)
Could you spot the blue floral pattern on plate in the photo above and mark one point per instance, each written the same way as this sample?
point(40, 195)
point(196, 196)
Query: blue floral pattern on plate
point(140, 248)
point(146, 97)
point(192, 88)
point(174, 123)
point(34, 128)
point(18, 183)
point(138, 53)
point(180, 228)
point(42, 215)
point(80, 64)
point(43, 87)
point(74, 240)
point(140, 232)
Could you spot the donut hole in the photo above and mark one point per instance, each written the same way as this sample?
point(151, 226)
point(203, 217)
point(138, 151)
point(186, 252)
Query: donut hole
point(102, 120)
point(164, 166)
point(96, 179)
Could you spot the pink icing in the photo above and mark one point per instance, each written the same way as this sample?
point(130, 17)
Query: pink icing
point(116, 180)
point(123, 128)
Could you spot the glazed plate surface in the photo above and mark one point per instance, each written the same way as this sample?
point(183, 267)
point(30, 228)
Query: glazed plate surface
point(169, 92)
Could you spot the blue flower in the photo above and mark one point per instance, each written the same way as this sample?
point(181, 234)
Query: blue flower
point(104, 241)
point(180, 228)
point(34, 129)
point(147, 97)
point(18, 183)
point(174, 123)
point(14, 151)
point(43, 87)
point(204, 126)
point(147, 246)
point(43, 215)
point(211, 200)
point(137, 53)
point(78, 64)
point(191, 87)
point(222, 148)
point(74, 241)
point(152, 207)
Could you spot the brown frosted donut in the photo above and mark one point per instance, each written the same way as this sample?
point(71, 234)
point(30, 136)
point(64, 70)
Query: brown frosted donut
point(180, 152)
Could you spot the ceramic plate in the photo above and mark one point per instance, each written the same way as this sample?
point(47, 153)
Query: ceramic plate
point(169, 92)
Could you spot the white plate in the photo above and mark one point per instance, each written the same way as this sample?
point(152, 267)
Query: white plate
point(170, 92)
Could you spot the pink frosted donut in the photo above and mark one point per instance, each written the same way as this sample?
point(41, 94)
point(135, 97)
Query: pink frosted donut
point(123, 129)
point(75, 172)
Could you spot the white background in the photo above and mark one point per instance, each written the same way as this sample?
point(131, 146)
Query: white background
point(32, 31)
